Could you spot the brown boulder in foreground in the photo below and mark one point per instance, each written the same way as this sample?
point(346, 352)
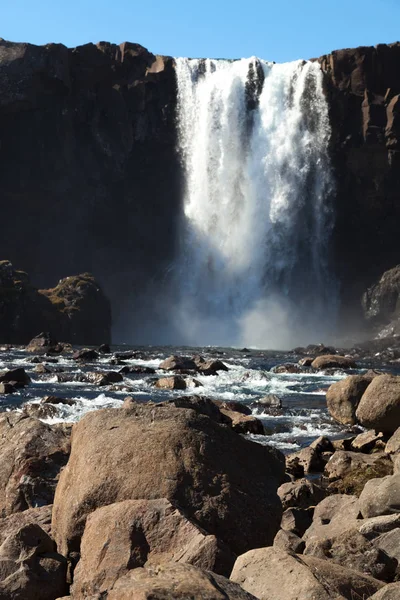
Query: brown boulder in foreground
point(225, 483)
point(272, 574)
point(30, 568)
point(130, 534)
point(175, 582)
point(379, 407)
point(343, 397)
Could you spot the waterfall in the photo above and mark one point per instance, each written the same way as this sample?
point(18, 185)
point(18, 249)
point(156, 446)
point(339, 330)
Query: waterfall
point(253, 264)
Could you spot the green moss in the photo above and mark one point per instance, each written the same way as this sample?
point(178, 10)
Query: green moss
point(353, 483)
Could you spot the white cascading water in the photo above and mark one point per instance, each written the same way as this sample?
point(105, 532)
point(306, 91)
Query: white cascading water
point(253, 261)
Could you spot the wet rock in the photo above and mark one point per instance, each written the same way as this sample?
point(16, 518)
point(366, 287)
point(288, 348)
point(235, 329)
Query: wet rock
point(379, 407)
point(137, 370)
point(40, 411)
point(104, 349)
point(126, 355)
point(57, 400)
point(306, 362)
point(148, 532)
point(333, 361)
point(301, 494)
point(209, 367)
point(269, 574)
point(380, 496)
point(42, 359)
point(343, 397)
point(176, 382)
point(267, 404)
point(67, 377)
point(18, 376)
point(287, 368)
point(231, 405)
point(32, 454)
point(176, 582)
point(30, 567)
point(173, 363)
point(288, 542)
point(106, 378)
point(7, 388)
point(85, 355)
point(158, 451)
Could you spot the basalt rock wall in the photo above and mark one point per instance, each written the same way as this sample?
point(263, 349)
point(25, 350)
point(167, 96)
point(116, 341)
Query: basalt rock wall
point(363, 87)
point(89, 176)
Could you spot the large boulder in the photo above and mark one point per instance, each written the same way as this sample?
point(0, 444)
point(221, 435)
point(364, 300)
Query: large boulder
point(134, 533)
point(379, 407)
point(30, 567)
point(301, 494)
point(218, 478)
point(32, 454)
point(343, 397)
point(270, 574)
point(381, 497)
point(354, 551)
point(333, 516)
point(175, 582)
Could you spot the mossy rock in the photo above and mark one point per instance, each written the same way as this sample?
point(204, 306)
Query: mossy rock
point(353, 483)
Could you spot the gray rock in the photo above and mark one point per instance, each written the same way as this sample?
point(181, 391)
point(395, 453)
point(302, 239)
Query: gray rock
point(381, 497)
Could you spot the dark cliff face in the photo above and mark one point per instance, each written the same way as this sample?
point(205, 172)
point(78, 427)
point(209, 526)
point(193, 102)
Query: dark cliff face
point(89, 176)
point(363, 87)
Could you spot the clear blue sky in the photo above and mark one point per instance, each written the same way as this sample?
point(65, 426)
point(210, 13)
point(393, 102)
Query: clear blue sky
point(279, 30)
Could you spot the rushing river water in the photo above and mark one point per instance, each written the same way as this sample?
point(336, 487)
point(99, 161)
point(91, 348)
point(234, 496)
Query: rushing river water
point(302, 418)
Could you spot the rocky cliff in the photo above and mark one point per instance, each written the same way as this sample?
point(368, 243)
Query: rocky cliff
point(363, 86)
point(90, 179)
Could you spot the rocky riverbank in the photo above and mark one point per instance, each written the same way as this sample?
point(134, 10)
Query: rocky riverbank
point(174, 499)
